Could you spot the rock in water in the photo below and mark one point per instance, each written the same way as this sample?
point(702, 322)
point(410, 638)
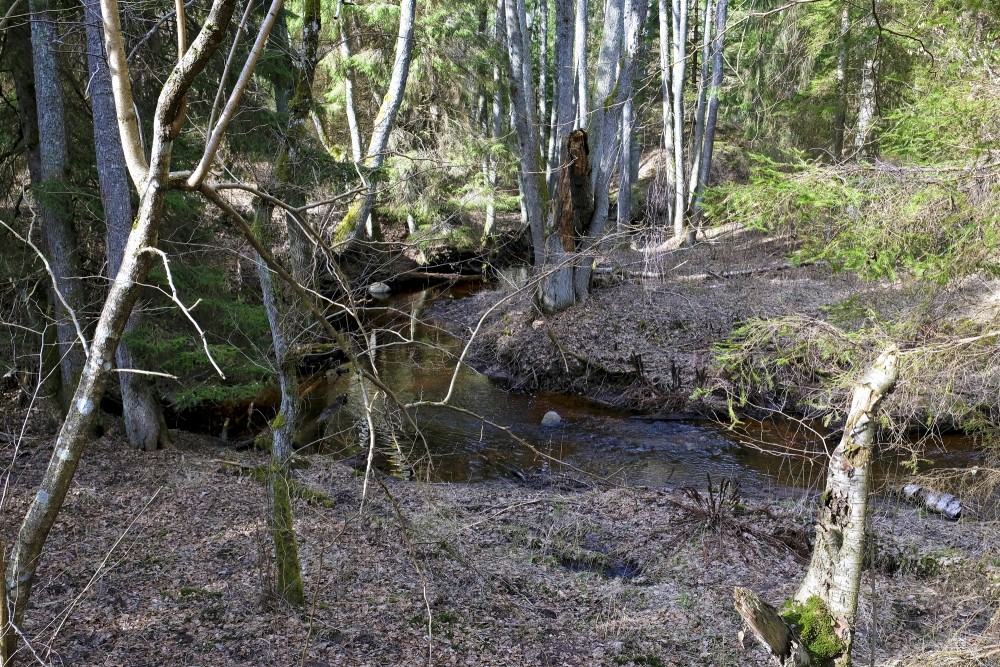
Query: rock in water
point(379, 289)
point(551, 418)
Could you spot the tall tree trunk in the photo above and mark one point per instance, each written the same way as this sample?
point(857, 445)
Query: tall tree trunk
point(48, 500)
point(708, 145)
point(288, 580)
point(358, 219)
point(532, 178)
point(543, 73)
point(144, 423)
point(580, 34)
point(495, 123)
point(19, 59)
point(698, 137)
point(563, 110)
point(352, 117)
point(841, 112)
point(679, 29)
point(867, 103)
point(834, 574)
point(667, 101)
point(569, 178)
point(52, 193)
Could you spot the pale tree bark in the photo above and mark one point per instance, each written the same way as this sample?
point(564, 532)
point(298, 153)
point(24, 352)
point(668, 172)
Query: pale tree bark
point(628, 172)
point(679, 27)
point(867, 105)
point(358, 218)
point(543, 72)
point(667, 103)
point(288, 579)
point(569, 178)
point(629, 18)
point(532, 177)
point(834, 574)
point(51, 194)
point(144, 423)
point(563, 109)
point(698, 137)
point(580, 63)
point(352, 116)
point(581, 209)
point(47, 502)
point(840, 114)
point(495, 123)
point(708, 144)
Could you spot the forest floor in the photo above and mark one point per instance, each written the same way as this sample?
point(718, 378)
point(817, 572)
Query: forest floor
point(164, 558)
point(645, 338)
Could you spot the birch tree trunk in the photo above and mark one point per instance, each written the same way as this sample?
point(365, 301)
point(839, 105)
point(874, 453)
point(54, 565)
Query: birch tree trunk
point(698, 138)
point(358, 219)
point(580, 63)
point(144, 423)
point(288, 579)
point(867, 102)
point(628, 19)
point(543, 73)
point(352, 117)
point(708, 145)
point(679, 29)
point(841, 113)
point(44, 508)
point(51, 194)
point(532, 177)
point(666, 93)
point(834, 574)
point(563, 87)
point(496, 121)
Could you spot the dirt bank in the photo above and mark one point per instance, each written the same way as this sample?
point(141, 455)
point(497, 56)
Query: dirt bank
point(645, 337)
point(164, 558)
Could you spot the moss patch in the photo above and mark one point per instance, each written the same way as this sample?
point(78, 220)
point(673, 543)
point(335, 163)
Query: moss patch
point(814, 625)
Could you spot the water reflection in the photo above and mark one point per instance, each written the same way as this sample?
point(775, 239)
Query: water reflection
point(416, 359)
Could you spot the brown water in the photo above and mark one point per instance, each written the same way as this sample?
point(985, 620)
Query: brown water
point(416, 359)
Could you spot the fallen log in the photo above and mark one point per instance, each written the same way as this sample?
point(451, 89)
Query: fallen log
point(935, 501)
point(770, 629)
point(707, 275)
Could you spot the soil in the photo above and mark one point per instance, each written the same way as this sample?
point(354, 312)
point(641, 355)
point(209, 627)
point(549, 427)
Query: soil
point(645, 337)
point(164, 558)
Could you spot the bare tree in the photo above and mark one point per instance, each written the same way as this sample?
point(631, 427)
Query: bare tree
point(358, 218)
point(154, 182)
point(144, 424)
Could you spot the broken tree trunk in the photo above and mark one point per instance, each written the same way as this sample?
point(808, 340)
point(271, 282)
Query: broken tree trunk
point(834, 574)
point(935, 501)
point(770, 629)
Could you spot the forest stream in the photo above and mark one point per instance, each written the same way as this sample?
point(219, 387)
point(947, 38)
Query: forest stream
point(417, 359)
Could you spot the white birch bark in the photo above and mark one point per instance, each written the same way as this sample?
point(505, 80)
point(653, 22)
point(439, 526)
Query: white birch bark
point(496, 121)
point(666, 94)
point(543, 72)
point(580, 62)
point(679, 27)
point(841, 112)
point(708, 145)
point(532, 177)
point(352, 117)
point(866, 104)
point(358, 218)
point(834, 574)
point(698, 138)
point(623, 23)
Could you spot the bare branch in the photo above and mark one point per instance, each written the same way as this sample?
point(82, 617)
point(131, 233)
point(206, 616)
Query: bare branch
point(184, 309)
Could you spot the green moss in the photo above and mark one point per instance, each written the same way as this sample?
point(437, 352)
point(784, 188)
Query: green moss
point(815, 627)
point(278, 421)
